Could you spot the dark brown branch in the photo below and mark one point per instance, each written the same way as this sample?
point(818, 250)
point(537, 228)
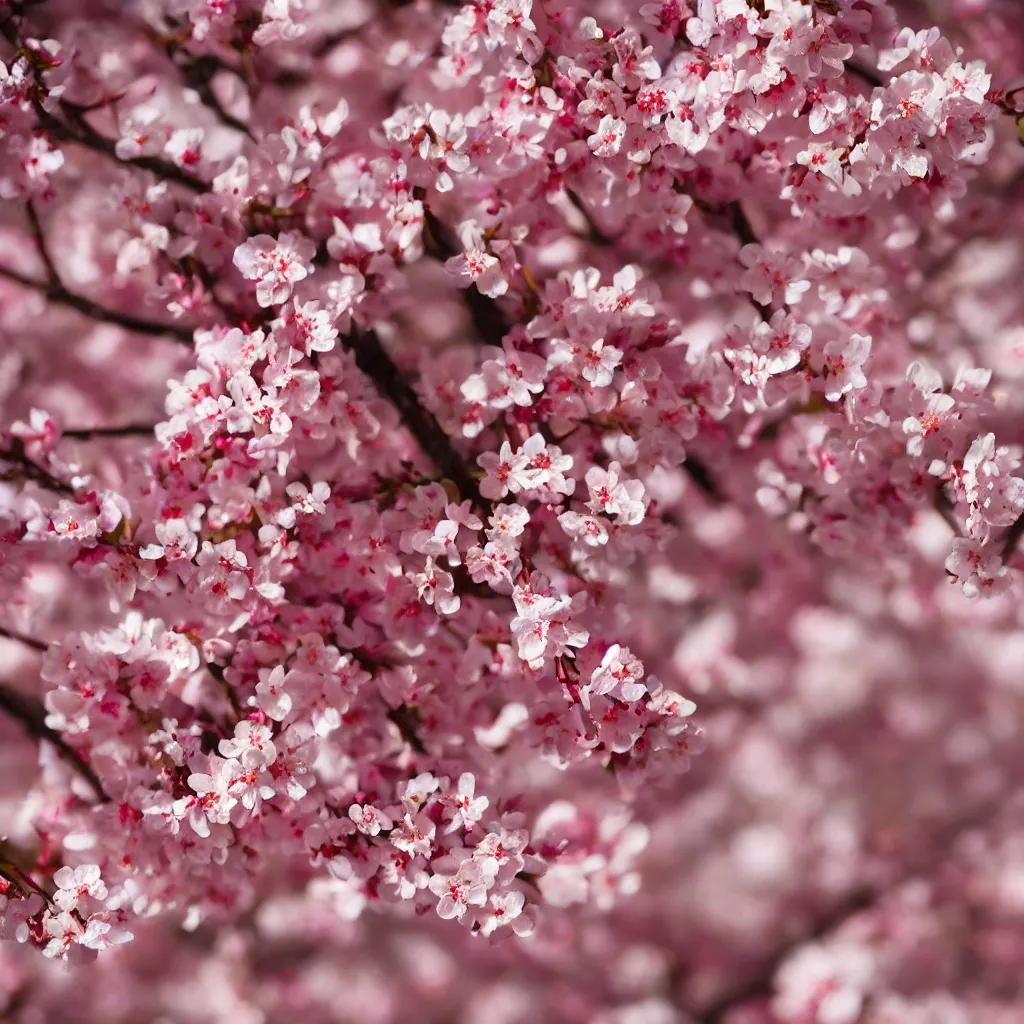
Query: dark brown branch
point(290, 77)
point(31, 715)
point(406, 720)
point(489, 322)
point(745, 233)
point(741, 225)
point(373, 360)
point(333, 40)
point(864, 74)
point(1012, 538)
point(28, 641)
point(131, 430)
point(75, 128)
point(699, 473)
point(229, 691)
point(761, 985)
point(80, 132)
point(44, 253)
point(26, 469)
point(198, 73)
point(945, 509)
point(59, 294)
point(595, 234)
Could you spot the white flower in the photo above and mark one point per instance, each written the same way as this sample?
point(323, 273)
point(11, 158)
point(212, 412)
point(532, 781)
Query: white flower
point(275, 264)
point(607, 140)
point(73, 884)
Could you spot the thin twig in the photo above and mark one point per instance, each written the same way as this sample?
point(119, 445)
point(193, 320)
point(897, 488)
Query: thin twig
point(89, 433)
point(75, 128)
point(1013, 536)
point(59, 294)
point(204, 89)
point(28, 641)
point(440, 241)
point(83, 134)
point(198, 73)
point(31, 715)
point(26, 469)
point(44, 253)
point(596, 235)
point(761, 985)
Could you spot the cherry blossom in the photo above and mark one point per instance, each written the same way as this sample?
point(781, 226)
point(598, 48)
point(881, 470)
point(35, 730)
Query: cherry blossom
point(276, 265)
point(73, 884)
point(430, 430)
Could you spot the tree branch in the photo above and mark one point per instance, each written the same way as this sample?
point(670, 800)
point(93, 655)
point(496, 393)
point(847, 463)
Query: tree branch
point(130, 430)
point(59, 294)
point(228, 690)
point(28, 641)
point(52, 276)
point(77, 129)
point(745, 233)
point(406, 720)
point(26, 469)
point(761, 985)
point(80, 132)
point(866, 75)
point(32, 716)
point(595, 235)
point(741, 225)
point(198, 73)
point(701, 476)
point(1013, 535)
point(374, 361)
point(489, 322)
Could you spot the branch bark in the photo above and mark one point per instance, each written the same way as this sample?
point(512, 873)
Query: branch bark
point(372, 359)
point(61, 296)
point(26, 469)
point(761, 985)
point(129, 430)
point(28, 641)
point(31, 715)
point(78, 131)
point(439, 241)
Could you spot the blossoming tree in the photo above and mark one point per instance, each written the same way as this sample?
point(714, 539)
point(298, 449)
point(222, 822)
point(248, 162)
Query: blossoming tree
point(427, 427)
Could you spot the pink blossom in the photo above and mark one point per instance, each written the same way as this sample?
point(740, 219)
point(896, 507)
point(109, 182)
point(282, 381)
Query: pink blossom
point(431, 429)
point(251, 745)
point(368, 819)
point(481, 269)
point(276, 265)
point(437, 588)
point(619, 670)
point(467, 808)
point(607, 139)
point(610, 495)
point(75, 884)
point(457, 893)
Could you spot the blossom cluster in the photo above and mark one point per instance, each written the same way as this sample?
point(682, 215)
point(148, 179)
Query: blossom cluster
point(548, 392)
